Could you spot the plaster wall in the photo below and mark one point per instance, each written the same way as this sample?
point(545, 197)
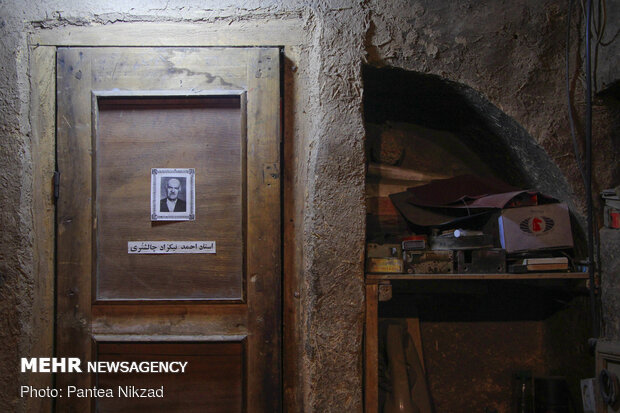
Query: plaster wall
point(510, 52)
point(513, 54)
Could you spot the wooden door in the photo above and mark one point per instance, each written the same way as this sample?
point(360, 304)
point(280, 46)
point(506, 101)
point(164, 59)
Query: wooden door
point(127, 120)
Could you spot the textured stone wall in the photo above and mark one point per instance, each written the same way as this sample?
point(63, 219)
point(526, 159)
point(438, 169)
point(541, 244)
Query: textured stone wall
point(334, 225)
point(16, 236)
point(511, 52)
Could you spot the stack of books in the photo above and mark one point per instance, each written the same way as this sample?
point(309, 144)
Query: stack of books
point(540, 264)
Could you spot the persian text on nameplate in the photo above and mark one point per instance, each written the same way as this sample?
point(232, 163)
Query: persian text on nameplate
point(171, 247)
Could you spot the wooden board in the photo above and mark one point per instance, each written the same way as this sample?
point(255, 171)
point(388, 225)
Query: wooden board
point(371, 350)
point(413, 328)
point(215, 369)
point(42, 99)
point(381, 206)
point(374, 278)
point(134, 135)
point(263, 255)
point(74, 220)
point(279, 31)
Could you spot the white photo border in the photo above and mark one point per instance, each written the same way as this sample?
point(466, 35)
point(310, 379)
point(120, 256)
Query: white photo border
point(157, 174)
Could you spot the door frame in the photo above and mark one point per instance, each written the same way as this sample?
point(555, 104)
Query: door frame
point(42, 45)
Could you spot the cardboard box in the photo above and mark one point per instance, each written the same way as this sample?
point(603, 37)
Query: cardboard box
point(428, 262)
point(383, 250)
point(535, 228)
point(384, 265)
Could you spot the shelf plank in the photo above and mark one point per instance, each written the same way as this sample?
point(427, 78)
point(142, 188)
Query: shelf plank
point(372, 278)
point(371, 350)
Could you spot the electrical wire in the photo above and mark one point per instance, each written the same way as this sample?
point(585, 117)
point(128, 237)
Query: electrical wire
point(590, 213)
point(599, 30)
point(599, 23)
point(571, 118)
point(587, 173)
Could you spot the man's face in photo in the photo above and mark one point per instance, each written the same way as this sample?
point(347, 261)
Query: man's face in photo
point(172, 189)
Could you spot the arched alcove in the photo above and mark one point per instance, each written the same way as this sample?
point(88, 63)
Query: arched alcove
point(397, 95)
point(475, 335)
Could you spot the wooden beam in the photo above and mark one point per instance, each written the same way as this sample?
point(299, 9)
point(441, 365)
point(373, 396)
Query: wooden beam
point(402, 174)
point(374, 278)
point(371, 350)
point(254, 33)
point(42, 112)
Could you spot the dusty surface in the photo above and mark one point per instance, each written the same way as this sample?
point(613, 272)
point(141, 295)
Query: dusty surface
point(509, 52)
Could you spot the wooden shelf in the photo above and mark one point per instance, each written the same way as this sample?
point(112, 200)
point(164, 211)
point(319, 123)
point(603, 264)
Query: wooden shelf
point(372, 278)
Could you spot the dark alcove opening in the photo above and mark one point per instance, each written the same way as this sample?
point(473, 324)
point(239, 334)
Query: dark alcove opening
point(397, 95)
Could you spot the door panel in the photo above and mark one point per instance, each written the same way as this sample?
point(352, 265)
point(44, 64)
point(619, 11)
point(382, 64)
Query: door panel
point(213, 369)
point(120, 113)
point(132, 136)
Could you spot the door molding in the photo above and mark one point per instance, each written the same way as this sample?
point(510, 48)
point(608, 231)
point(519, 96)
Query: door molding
point(280, 32)
point(200, 93)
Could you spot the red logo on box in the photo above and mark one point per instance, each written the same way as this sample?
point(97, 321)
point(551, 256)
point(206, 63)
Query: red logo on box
point(536, 225)
point(615, 219)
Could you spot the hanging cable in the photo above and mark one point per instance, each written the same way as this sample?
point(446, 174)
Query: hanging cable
point(600, 32)
point(590, 225)
point(571, 118)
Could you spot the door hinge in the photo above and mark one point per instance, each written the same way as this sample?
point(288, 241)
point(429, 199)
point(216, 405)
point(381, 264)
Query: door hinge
point(56, 185)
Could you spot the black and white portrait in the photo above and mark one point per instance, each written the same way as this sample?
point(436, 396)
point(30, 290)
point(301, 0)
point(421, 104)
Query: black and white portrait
point(174, 190)
point(172, 194)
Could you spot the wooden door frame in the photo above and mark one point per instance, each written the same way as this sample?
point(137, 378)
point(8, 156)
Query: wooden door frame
point(42, 45)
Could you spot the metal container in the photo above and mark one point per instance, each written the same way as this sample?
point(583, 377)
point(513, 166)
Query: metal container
point(429, 262)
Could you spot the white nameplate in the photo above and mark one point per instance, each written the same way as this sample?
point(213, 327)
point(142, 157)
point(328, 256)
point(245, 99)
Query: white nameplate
point(171, 247)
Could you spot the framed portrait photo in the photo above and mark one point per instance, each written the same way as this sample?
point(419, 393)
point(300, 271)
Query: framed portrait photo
point(173, 194)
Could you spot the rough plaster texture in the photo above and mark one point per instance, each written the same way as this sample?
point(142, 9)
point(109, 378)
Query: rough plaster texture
point(16, 256)
point(514, 59)
point(334, 218)
point(510, 52)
